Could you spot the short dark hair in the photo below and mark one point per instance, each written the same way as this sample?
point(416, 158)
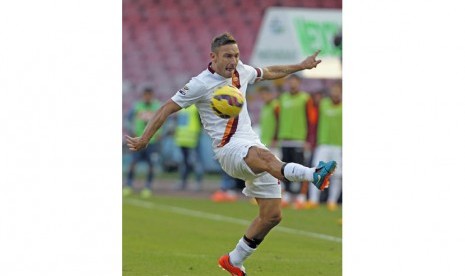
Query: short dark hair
point(295, 76)
point(148, 90)
point(263, 88)
point(222, 39)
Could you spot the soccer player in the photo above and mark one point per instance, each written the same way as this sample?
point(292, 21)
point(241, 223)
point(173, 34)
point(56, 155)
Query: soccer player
point(236, 146)
point(293, 132)
point(186, 137)
point(268, 117)
point(329, 144)
point(140, 114)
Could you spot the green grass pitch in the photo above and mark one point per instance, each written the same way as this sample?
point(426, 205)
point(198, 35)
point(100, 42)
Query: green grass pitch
point(170, 236)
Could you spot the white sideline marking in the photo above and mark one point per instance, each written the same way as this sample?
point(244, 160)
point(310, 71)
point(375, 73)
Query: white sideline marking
point(204, 215)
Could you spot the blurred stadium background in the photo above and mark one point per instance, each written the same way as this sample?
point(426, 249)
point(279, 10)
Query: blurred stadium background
point(166, 42)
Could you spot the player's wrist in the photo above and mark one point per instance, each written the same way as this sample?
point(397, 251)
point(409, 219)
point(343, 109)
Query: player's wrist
point(300, 67)
point(144, 140)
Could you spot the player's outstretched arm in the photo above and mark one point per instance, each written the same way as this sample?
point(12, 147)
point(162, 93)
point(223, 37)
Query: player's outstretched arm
point(138, 143)
point(280, 71)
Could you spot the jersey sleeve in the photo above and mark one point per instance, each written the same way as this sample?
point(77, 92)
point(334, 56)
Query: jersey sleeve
point(254, 73)
point(191, 93)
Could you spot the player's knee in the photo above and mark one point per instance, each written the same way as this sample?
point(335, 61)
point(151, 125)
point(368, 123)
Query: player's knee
point(273, 218)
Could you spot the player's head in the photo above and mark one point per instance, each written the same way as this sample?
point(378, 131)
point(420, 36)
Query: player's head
point(224, 54)
point(294, 83)
point(335, 92)
point(317, 96)
point(147, 94)
point(265, 93)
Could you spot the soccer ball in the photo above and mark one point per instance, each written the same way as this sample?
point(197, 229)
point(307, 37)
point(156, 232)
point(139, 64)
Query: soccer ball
point(227, 102)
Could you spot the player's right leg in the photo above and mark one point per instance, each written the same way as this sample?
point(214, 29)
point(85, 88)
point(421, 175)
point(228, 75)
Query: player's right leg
point(260, 160)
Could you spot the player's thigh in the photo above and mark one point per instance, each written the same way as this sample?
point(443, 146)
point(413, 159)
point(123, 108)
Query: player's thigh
point(260, 159)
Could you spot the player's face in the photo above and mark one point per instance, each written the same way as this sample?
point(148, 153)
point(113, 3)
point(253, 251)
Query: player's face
point(266, 96)
point(147, 97)
point(316, 98)
point(225, 59)
point(294, 85)
point(336, 94)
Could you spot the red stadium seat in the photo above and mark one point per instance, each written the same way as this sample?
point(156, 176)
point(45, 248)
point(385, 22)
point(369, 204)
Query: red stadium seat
point(166, 42)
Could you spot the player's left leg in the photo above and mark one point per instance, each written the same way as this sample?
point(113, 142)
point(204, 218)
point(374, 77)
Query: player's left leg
point(269, 216)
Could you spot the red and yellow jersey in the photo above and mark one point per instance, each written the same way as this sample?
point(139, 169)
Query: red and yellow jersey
point(199, 91)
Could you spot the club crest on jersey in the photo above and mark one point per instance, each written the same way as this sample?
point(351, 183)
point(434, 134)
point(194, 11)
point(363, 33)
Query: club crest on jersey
point(184, 90)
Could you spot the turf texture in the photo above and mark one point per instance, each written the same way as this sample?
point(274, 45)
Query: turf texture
point(170, 236)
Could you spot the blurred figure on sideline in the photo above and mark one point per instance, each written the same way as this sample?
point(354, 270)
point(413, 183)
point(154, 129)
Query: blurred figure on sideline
point(313, 119)
point(269, 114)
point(138, 117)
point(186, 137)
point(330, 144)
point(293, 133)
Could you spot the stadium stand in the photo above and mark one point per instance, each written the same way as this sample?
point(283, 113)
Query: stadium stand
point(165, 42)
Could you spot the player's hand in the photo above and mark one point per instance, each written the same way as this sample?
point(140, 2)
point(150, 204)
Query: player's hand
point(135, 143)
point(311, 61)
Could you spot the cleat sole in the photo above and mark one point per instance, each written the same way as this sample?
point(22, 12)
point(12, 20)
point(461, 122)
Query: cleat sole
point(325, 183)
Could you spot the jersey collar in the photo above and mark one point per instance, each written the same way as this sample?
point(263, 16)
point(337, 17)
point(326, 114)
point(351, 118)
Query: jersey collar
point(210, 68)
point(235, 79)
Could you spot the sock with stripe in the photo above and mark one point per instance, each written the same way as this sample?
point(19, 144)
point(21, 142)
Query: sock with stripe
point(297, 173)
point(241, 252)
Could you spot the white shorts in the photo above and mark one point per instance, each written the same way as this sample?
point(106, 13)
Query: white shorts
point(327, 153)
point(231, 158)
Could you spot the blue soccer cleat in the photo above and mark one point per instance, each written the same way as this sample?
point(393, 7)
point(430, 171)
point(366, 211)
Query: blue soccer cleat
point(322, 173)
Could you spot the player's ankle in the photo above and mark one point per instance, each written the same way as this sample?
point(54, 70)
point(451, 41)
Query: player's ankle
point(297, 173)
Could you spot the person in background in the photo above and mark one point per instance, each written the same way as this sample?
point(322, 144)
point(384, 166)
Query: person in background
point(138, 117)
point(293, 134)
point(330, 144)
point(269, 114)
point(313, 119)
point(186, 137)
